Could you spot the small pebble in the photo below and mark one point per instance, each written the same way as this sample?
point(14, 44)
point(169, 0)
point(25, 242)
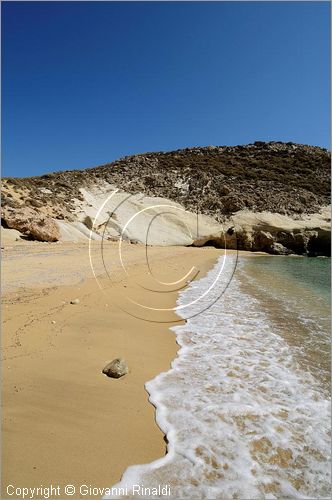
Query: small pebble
point(75, 301)
point(53, 322)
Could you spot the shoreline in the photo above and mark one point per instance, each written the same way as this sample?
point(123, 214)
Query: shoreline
point(246, 332)
point(64, 422)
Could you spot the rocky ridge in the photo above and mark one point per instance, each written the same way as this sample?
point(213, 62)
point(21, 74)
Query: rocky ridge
point(220, 182)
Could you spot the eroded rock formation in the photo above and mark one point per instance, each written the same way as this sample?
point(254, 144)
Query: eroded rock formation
point(289, 182)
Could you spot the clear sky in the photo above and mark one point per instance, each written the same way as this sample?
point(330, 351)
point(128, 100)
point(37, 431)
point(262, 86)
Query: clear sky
point(85, 83)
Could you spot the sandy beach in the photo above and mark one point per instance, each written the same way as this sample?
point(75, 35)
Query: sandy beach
point(140, 141)
point(63, 422)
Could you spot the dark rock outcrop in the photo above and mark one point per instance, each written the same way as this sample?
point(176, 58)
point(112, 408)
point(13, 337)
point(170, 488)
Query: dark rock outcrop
point(273, 240)
point(319, 243)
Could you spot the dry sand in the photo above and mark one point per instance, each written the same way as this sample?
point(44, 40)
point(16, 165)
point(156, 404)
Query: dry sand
point(63, 422)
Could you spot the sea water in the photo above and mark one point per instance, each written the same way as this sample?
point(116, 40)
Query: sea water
point(245, 406)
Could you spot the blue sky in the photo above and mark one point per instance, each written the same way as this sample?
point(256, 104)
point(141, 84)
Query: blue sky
point(87, 82)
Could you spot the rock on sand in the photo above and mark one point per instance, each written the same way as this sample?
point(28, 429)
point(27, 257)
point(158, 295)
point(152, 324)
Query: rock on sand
point(116, 368)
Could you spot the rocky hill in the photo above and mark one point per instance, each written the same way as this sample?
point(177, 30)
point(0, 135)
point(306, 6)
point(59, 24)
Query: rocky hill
point(292, 180)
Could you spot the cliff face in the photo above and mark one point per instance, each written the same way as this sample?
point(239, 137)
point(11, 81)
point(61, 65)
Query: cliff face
point(289, 179)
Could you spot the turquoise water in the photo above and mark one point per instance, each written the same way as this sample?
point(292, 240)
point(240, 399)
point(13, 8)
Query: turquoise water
point(296, 295)
point(313, 274)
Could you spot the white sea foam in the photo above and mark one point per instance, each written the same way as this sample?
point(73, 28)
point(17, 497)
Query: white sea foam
point(242, 419)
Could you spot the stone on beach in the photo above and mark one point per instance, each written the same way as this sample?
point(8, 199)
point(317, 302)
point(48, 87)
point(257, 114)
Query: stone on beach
point(44, 229)
point(34, 225)
point(116, 368)
point(75, 301)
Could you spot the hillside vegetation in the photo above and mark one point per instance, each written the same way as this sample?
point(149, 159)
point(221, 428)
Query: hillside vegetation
point(284, 178)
